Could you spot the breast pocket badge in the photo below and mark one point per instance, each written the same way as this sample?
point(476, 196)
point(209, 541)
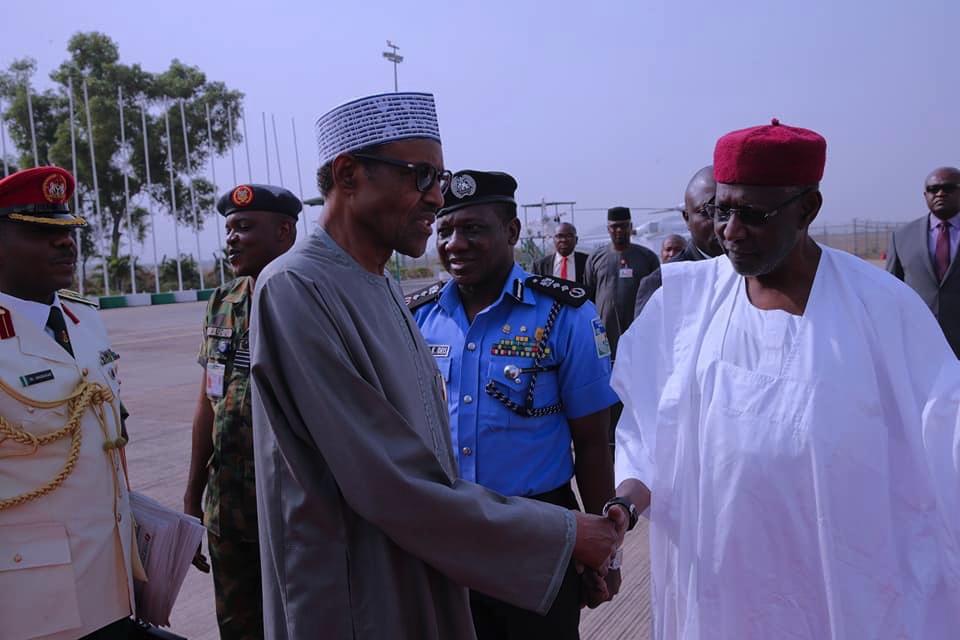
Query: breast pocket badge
point(215, 374)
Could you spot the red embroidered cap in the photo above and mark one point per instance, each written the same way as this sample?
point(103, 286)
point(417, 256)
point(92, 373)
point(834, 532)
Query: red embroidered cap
point(770, 155)
point(39, 196)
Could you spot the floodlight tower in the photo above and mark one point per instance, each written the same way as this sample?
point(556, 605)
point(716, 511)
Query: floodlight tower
point(396, 59)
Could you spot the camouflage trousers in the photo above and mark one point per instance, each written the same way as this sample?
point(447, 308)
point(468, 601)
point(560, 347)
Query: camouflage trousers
point(236, 585)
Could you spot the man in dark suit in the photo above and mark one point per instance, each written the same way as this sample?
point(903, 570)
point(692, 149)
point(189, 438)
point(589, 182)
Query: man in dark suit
point(560, 264)
point(923, 252)
point(703, 241)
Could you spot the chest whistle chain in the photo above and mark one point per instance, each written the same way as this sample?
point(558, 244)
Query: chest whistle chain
point(527, 410)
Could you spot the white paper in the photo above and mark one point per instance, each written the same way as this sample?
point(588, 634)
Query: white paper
point(167, 541)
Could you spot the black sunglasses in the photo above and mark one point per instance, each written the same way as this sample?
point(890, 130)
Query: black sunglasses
point(424, 172)
point(749, 215)
point(946, 188)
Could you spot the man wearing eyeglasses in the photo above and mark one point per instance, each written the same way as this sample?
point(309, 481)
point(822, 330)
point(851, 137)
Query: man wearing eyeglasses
point(367, 530)
point(566, 263)
point(790, 425)
point(923, 253)
point(703, 245)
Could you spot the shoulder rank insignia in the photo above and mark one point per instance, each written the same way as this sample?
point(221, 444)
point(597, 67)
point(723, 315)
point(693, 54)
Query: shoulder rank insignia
point(73, 296)
point(567, 292)
point(419, 298)
point(6, 324)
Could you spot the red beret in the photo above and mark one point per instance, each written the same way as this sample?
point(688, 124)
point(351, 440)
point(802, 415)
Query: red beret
point(770, 155)
point(39, 196)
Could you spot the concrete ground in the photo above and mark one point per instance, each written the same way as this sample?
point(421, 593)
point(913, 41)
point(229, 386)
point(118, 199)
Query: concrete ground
point(161, 382)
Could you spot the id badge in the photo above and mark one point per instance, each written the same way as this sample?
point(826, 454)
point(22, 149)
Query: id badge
point(626, 272)
point(215, 374)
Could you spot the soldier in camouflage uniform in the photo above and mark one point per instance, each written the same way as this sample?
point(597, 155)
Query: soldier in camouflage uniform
point(261, 225)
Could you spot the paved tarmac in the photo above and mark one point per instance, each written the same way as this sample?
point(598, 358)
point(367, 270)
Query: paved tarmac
point(160, 385)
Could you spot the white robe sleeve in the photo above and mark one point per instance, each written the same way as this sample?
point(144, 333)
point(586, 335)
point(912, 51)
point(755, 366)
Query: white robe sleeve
point(941, 441)
point(638, 379)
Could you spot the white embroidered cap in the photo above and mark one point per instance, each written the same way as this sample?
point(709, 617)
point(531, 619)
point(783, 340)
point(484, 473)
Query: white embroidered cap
point(377, 119)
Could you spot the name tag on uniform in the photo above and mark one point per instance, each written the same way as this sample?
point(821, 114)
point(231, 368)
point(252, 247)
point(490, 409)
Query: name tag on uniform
point(215, 375)
point(219, 332)
point(439, 350)
point(36, 377)
point(626, 272)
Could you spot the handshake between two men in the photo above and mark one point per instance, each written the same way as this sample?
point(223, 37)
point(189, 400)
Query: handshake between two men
point(598, 550)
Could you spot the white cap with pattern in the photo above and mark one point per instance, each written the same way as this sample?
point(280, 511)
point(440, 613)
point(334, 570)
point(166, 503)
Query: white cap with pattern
point(377, 119)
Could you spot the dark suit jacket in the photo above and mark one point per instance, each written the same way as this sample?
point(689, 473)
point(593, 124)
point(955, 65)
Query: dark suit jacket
point(544, 266)
point(909, 259)
point(655, 280)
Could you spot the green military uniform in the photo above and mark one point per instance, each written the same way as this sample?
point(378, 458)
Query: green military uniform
point(230, 510)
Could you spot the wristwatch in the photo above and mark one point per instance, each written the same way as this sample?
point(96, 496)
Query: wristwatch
point(626, 504)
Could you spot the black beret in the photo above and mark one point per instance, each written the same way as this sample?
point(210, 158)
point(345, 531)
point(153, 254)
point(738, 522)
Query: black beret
point(618, 214)
point(469, 187)
point(259, 197)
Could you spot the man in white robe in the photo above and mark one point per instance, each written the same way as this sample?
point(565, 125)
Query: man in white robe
point(791, 421)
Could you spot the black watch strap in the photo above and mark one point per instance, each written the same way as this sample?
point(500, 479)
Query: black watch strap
point(626, 504)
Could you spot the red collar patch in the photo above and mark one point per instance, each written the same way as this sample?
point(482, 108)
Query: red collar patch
point(6, 324)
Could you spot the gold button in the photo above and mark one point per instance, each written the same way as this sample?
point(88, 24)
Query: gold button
point(84, 372)
point(17, 558)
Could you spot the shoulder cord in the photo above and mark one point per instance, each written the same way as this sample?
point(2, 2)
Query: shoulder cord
point(527, 410)
point(88, 395)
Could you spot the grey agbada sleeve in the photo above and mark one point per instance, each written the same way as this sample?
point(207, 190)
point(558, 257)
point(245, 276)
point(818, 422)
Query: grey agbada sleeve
point(348, 387)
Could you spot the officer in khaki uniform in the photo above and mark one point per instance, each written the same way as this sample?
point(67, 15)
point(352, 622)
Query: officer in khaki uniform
point(261, 225)
point(66, 534)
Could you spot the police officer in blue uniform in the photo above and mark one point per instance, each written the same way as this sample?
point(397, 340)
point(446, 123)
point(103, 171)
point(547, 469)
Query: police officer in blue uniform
point(527, 366)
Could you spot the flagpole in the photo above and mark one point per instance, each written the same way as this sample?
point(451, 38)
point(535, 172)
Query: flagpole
point(246, 143)
point(193, 199)
point(3, 146)
point(296, 152)
point(126, 193)
point(276, 146)
point(233, 156)
point(173, 196)
point(213, 175)
point(266, 145)
point(96, 186)
point(153, 224)
point(76, 192)
point(33, 131)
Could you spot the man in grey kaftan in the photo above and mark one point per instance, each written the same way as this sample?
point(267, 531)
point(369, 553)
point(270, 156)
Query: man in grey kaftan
point(366, 530)
point(357, 484)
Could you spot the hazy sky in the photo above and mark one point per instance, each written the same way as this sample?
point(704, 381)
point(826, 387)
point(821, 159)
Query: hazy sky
point(602, 103)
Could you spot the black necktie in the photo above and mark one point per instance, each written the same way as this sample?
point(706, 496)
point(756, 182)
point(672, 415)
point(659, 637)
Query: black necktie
point(58, 325)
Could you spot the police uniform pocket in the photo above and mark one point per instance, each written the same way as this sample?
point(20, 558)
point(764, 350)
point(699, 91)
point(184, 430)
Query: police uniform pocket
point(507, 388)
point(36, 580)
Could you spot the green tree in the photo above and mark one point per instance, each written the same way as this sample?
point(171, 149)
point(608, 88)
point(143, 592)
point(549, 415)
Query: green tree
point(188, 271)
point(94, 57)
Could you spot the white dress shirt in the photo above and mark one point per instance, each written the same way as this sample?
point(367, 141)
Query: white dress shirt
point(571, 266)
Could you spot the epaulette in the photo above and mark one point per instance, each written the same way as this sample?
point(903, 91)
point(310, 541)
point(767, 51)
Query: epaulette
point(73, 296)
point(428, 294)
point(567, 292)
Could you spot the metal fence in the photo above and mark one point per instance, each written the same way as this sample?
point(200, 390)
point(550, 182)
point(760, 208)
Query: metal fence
point(867, 239)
